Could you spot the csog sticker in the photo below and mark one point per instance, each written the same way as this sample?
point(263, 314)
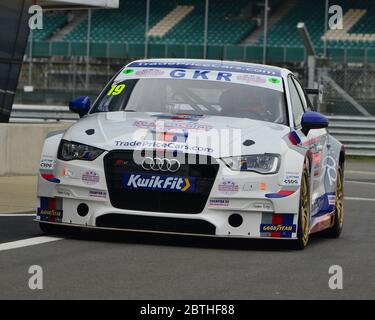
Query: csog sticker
point(47, 164)
point(159, 183)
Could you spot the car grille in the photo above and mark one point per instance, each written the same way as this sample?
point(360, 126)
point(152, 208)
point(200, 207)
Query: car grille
point(159, 224)
point(119, 163)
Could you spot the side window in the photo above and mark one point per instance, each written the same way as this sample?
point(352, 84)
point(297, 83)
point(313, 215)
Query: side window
point(297, 106)
point(302, 95)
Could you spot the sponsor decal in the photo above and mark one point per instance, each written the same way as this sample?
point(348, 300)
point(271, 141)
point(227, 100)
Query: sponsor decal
point(285, 191)
point(98, 194)
point(205, 71)
point(64, 192)
point(228, 187)
point(332, 199)
point(311, 142)
point(263, 186)
point(277, 225)
point(205, 65)
point(274, 80)
point(276, 228)
point(294, 138)
point(47, 164)
point(50, 210)
point(162, 145)
point(128, 71)
point(219, 203)
point(50, 177)
point(66, 173)
point(329, 166)
point(254, 186)
point(291, 178)
point(90, 178)
point(149, 72)
point(250, 78)
point(322, 222)
point(164, 125)
point(179, 116)
point(262, 205)
point(46, 167)
point(323, 204)
point(158, 182)
point(121, 163)
point(251, 186)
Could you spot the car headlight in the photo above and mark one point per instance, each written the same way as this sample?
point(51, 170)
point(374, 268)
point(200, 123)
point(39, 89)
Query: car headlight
point(262, 163)
point(76, 151)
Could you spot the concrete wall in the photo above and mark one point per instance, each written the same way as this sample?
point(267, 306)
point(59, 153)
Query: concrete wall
point(21, 146)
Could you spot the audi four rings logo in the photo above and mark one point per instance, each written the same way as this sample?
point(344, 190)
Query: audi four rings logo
point(159, 164)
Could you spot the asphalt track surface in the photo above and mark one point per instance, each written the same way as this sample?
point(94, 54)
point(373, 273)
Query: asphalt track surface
point(119, 265)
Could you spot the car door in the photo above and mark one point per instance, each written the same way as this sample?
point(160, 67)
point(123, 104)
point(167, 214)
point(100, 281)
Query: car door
point(315, 141)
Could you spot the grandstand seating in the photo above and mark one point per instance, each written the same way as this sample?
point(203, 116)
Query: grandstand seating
point(119, 32)
point(51, 23)
point(170, 20)
point(127, 24)
point(284, 32)
point(221, 30)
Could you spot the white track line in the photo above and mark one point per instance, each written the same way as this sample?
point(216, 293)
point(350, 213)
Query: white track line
point(360, 199)
point(27, 242)
point(17, 215)
point(360, 182)
point(360, 172)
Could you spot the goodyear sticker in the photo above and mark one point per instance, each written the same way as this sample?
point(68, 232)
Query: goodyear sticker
point(277, 225)
point(277, 228)
point(50, 210)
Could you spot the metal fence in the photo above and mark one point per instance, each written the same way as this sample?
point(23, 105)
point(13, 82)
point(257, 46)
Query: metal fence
point(348, 89)
point(242, 52)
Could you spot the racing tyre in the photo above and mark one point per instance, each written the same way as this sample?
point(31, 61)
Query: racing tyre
point(335, 230)
point(52, 229)
point(303, 230)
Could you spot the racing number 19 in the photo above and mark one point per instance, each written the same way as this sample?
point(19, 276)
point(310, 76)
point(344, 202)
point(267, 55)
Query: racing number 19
point(116, 90)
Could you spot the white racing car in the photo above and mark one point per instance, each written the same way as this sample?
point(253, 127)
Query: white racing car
point(197, 147)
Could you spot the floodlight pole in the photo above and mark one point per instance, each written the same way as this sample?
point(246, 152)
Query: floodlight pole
point(31, 56)
point(205, 35)
point(265, 31)
point(311, 53)
point(88, 48)
point(147, 26)
point(326, 27)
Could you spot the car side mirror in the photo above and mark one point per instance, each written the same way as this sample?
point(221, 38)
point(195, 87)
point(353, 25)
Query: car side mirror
point(313, 120)
point(80, 105)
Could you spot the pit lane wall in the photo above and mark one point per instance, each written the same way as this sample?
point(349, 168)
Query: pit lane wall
point(21, 146)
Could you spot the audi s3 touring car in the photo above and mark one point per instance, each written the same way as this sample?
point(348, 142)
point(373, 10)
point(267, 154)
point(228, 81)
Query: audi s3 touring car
point(195, 147)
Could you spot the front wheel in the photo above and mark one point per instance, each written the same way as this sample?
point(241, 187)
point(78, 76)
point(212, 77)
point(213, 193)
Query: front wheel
point(335, 230)
point(303, 230)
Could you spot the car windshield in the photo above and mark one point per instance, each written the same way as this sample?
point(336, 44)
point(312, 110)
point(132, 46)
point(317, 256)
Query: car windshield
point(193, 97)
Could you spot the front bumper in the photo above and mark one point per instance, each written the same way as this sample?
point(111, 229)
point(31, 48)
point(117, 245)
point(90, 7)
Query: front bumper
point(264, 211)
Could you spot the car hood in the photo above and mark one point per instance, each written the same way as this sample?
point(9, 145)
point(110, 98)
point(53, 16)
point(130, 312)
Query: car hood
point(216, 136)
